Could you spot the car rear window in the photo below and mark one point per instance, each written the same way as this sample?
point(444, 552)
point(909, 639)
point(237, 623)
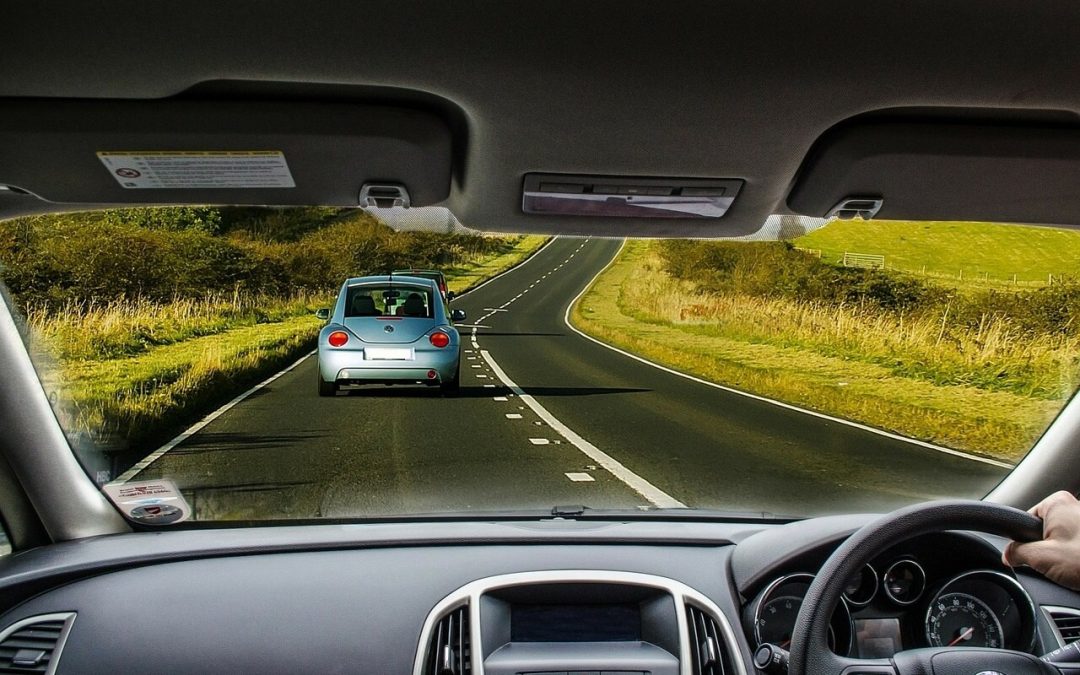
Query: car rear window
point(389, 300)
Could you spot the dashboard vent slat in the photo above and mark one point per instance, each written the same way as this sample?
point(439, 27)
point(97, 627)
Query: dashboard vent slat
point(708, 649)
point(1068, 624)
point(33, 645)
point(449, 652)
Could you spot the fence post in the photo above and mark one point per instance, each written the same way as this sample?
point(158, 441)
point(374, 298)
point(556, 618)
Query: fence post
point(961, 274)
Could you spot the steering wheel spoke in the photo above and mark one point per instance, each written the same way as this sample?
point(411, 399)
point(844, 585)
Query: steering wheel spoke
point(846, 666)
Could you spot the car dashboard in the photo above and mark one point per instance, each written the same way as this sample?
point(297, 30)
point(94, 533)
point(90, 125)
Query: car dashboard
point(500, 597)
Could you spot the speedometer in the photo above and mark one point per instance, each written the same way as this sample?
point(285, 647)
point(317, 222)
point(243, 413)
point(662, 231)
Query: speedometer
point(962, 620)
point(982, 608)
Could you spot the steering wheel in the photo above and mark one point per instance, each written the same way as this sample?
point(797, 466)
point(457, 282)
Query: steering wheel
point(810, 653)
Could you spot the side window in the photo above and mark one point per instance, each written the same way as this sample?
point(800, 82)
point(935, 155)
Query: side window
point(5, 543)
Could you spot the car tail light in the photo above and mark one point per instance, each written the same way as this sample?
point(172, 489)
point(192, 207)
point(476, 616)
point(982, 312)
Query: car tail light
point(439, 339)
point(338, 338)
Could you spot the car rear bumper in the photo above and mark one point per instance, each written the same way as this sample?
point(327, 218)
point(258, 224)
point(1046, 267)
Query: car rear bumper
point(350, 367)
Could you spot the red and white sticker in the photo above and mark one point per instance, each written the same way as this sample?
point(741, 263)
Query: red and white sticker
point(198, 169)
point(150, 502)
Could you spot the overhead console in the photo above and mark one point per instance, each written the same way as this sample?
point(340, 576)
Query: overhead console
point(930, 169)
point(90, 152)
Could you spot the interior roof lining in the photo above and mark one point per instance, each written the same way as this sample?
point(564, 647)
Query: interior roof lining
point(740, 89)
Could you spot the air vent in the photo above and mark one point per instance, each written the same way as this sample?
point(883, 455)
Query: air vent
point(449, 652)
point(33, 645)
point(1067, 622)
point(708, 649)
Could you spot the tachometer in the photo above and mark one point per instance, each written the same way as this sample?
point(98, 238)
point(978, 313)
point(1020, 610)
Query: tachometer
point(776, 621)
point(962, 620)
point(774, 611)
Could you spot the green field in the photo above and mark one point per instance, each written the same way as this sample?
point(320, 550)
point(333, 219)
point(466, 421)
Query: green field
point(980, 252)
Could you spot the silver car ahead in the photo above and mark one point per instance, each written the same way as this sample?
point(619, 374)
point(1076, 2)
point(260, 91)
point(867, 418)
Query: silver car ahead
point(389, 330)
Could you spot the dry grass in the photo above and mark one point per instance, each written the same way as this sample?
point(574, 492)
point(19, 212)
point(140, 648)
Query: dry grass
point(995, 355)
point(128, 399)
point(990, 390)
point(127, 327)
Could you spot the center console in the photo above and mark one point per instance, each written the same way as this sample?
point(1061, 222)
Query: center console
point(577, 622)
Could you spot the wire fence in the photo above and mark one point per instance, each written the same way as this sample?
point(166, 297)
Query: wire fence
point(964, 275)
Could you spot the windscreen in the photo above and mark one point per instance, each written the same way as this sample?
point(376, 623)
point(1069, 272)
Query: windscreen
point(274, 364)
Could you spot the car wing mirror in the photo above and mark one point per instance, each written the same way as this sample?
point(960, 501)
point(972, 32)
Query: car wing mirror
point(450, 295)
point(323, 314)
point(457, 315)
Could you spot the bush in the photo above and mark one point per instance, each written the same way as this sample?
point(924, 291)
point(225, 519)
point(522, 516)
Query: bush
point(162, 254)
point(777, 269)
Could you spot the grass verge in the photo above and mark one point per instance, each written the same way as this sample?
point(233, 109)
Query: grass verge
point(126, 374)
point(756, 346)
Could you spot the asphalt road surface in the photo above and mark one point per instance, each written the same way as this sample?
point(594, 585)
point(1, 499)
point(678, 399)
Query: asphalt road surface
point(545, 417)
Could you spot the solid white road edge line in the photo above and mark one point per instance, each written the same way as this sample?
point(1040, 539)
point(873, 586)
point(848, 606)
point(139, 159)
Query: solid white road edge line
point(195, 428)
point(653, 494)
point(781, 404)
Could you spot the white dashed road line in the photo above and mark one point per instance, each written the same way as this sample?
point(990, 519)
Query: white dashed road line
point(653, 494)
point(580, 477)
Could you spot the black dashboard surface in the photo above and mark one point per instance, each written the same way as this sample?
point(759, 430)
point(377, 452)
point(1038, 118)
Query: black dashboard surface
point(337, 599)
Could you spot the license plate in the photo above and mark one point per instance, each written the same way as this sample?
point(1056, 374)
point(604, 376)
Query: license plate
point(382, 354)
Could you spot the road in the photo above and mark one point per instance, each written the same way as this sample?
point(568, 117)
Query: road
point(583, 425)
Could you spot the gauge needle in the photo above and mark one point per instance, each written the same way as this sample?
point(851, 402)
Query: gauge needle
point(963, 636)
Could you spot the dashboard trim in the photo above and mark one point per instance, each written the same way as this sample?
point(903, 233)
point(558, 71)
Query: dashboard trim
point(470, 593)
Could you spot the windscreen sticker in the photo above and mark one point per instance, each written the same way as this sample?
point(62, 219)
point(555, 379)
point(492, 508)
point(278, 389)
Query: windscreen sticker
point(150, 502)
point(194, 169)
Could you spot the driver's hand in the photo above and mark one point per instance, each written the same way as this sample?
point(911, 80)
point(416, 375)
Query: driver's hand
point(1057, 556)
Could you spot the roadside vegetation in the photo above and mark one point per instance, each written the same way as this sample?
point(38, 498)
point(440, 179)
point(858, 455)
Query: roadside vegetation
point(982, 370)
point(143, 320)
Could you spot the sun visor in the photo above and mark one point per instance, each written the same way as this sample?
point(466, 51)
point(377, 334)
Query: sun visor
point(945, 171)
point(157, 152)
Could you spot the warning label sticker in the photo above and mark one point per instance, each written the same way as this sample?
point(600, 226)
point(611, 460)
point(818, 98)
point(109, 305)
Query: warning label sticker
point(193, 169)
point(151, 502)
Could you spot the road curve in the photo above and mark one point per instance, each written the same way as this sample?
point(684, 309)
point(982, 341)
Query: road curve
point(583, 425)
